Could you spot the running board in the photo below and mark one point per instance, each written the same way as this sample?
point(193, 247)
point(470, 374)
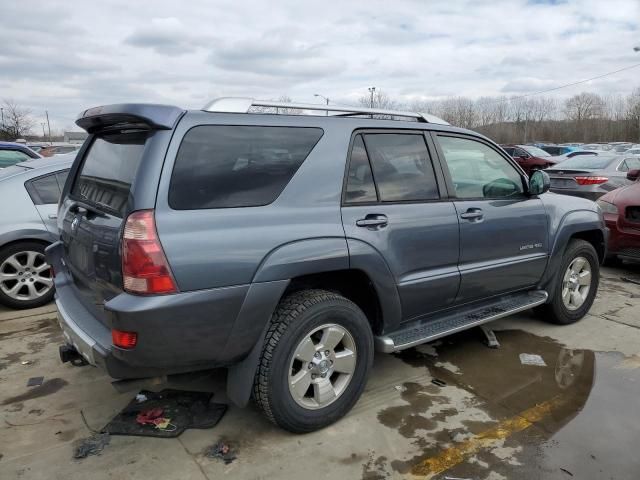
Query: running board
point(423, 331)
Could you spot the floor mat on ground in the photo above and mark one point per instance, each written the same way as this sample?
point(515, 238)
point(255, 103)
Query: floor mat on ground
point(166, 414)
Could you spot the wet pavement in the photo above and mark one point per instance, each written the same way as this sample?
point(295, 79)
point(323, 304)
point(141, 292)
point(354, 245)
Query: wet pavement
point(452, 409)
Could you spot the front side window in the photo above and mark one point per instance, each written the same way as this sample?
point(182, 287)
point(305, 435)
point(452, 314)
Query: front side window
point(224, 166)
point(402, 168)
point(478, 171)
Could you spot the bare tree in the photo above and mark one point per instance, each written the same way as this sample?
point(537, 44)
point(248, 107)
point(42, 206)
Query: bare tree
point(583, 106)
point(282, 99)
point(17, 122)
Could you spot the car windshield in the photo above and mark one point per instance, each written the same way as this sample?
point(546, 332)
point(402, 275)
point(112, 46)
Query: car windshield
point(621, 148)
point(633, 151)
point(536, 152)
point(590, 162)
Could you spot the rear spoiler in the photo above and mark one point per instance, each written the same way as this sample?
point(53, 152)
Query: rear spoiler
point(159, 117)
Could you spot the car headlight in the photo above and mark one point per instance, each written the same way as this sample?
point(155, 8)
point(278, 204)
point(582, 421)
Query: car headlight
point(607, 207)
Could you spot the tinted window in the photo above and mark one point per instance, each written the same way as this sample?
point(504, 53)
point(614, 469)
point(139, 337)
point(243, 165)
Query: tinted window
point(11, 157)
point(62, 178)
point(629, 164)
point(478, 171)
point(510, 150)
point(44, 190)
point(402, 168)
point(231, 166)
point(360, 187)
point(108, 169)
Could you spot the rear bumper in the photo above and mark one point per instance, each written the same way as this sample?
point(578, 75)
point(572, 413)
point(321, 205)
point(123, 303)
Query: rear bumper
point(176, 333)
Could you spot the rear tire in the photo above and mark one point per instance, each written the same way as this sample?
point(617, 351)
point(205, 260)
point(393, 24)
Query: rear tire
point(25, 278)
point(573, 296)
point(315, 361)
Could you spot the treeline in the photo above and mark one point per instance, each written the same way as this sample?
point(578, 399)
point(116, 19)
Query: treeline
point(585, 117)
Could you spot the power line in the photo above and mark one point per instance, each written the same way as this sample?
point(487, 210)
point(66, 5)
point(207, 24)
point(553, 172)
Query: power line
point(563, 86)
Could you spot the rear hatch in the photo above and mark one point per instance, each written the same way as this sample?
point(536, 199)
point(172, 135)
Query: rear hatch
point(107, 182)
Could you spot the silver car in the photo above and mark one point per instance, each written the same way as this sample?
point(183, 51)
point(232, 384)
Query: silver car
point(29, 194)
point(591, 176)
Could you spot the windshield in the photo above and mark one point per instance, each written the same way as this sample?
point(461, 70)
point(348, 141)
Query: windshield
point(590, 162)
point(621, 148)
point(536, 152)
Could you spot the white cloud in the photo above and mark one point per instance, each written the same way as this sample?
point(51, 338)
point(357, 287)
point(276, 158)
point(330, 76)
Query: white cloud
point(65, 56)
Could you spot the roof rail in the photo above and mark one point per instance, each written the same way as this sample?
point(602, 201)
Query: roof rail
point(242, 105)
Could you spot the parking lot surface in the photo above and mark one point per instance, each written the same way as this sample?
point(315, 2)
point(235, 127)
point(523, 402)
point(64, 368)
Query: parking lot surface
point(571, 414)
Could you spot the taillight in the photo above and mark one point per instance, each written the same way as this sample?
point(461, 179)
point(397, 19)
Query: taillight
point(591, 180)
point(124, 339)
point(145, 269)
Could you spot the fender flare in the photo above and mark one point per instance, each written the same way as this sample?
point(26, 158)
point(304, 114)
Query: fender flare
point(25, 235)
point(571, 223)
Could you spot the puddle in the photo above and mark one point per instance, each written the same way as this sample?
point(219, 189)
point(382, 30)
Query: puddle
point(577, 414)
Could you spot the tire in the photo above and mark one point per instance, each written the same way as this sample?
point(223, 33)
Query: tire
point(25, 262)
point(557, 311)
point(295, 318)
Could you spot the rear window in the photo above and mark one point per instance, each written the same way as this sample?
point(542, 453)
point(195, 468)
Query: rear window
point(11, 157)
point(108, 169)
point(591, 162)
point(220, 166)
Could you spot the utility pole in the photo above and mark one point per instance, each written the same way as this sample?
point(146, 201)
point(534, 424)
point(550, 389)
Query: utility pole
point(43, 135)
point(48, 125)
point(372, 91)
point(3, 131)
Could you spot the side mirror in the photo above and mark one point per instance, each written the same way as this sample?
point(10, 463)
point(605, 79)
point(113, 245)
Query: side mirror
point(633, 175)
point(539, 183)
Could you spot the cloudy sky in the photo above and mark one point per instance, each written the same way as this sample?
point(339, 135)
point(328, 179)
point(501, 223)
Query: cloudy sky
point(66, 56)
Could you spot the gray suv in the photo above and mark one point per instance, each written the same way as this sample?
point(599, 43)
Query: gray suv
point(287, 248)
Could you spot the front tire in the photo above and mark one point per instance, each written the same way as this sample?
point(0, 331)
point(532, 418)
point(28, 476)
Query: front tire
point(25, 278)
point(576, 284)
point(315, 361)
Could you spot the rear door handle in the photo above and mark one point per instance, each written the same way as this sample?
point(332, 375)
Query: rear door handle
point(373, 220)
point(53, 216)
point(472, 214)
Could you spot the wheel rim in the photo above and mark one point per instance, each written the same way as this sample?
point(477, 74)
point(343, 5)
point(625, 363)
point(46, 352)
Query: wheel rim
point(25, 276)
point(568, 367)
point(576, 283)
point(322, 366)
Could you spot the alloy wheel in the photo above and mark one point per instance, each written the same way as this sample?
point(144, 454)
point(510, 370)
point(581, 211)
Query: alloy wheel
point(322, 366)
point(25, 276)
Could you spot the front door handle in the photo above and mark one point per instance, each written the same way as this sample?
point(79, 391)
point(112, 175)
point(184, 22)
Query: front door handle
point(372, 221)
point(53, 216)
point(473, 214)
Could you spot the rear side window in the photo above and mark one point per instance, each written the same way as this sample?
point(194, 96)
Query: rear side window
point(108, 169)
point(221, 166)
point(45, 190)
point(402, 168)
point(11, 157)
point(360, 186)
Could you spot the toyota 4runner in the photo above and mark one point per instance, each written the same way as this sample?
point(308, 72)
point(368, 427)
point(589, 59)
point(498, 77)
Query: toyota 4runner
point(287, 248)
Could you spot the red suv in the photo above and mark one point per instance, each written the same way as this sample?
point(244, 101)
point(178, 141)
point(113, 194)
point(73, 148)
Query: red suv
point(621, 209)
point(530, 158)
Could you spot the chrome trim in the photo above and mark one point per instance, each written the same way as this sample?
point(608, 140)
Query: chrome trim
point(243, 104)
point(385, 344)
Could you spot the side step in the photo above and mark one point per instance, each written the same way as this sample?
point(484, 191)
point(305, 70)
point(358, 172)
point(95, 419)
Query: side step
point(423, 331)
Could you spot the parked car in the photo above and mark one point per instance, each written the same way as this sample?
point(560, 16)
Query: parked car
point(555, 150)
point(620, 149)
point(576, 153)
point(29, 194)
point(12, 153)
point(591, 176)
point(530, 158)
point(632, 151)
point(621, 209)
point(187, 243)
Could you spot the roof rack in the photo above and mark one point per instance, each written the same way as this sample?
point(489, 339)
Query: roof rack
point(242, 105)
